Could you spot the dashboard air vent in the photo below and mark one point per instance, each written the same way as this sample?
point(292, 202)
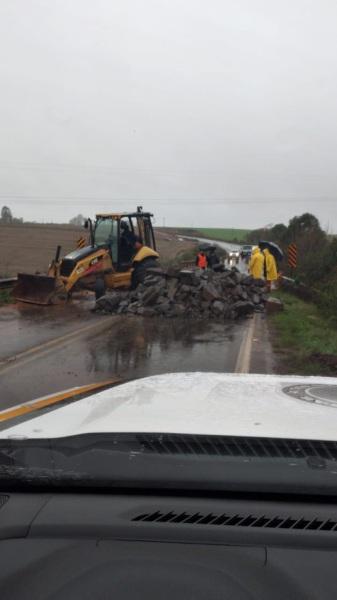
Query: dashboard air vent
point(239, 520)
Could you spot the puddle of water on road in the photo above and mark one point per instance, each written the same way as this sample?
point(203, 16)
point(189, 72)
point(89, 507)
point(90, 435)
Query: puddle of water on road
point(25, 325)
point(135, 347)
point(8, 314)
point(131, 347)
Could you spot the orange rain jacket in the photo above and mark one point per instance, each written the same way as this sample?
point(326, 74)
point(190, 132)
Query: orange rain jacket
point(201, 261)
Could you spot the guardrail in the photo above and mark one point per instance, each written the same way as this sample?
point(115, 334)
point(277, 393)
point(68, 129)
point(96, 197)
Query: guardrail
point(8, 283)
point(300, 289)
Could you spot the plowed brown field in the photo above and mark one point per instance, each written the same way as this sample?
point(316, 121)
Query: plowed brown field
point(30, 248)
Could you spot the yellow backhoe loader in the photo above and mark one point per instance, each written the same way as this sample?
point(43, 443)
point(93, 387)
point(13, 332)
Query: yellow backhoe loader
point(108, 262)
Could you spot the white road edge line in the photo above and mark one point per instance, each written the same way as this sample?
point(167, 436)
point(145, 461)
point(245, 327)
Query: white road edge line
point(244, 357)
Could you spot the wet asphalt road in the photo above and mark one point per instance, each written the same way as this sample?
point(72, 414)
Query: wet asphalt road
point(44, 350)
point(24, 326)
point(131, 347)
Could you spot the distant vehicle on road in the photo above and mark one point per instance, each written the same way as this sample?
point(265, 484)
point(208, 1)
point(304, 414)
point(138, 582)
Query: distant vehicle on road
point(234, 255)
point(246, 251)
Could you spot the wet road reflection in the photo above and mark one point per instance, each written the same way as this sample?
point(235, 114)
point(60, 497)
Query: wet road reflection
point(137, 347)
point(24, 326)
point(132, 347)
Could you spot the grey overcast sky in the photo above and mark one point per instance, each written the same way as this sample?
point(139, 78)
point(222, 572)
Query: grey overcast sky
point(213, 113)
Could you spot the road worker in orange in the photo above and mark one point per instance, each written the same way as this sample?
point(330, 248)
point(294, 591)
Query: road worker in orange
point(201, 260)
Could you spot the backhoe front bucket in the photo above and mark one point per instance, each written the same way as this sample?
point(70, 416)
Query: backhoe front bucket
point(36, 289)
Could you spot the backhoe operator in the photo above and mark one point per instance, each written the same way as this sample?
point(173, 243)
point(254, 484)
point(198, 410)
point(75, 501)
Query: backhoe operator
point(126, 244)
point(144, 259)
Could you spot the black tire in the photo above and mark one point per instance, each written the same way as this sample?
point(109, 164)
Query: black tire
point(99, 288)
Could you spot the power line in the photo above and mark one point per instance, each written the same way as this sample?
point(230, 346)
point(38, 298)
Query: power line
point(110, 168)
point(167, 201)
point(113, 169)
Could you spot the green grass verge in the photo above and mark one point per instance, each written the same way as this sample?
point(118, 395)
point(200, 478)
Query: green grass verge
point(225, 235)
point(305, 340)
point(5, 297)
point(220, 234)
point(182, 256)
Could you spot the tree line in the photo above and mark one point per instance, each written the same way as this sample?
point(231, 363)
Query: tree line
point(7, 218)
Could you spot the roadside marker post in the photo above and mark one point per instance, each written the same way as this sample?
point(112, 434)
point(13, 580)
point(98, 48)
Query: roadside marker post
point(292, 256)
point(81, 242)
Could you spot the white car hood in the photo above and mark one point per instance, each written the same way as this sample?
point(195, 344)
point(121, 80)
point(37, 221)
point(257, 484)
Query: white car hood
point(199, 403)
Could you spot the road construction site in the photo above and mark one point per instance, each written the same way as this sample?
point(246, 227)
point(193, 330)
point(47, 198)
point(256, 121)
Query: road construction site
point(48, 349)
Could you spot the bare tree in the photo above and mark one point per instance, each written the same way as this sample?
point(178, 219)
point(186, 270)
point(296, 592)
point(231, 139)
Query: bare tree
point(78, 220)
point(6, 215)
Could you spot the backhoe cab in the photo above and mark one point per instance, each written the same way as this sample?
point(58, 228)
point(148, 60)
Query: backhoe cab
point(106, 263)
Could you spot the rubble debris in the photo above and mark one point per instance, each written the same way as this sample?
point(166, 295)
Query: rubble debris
point(274, 305)
point(193, 294)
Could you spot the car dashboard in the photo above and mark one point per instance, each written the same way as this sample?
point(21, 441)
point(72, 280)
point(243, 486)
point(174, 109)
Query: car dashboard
point(143, 545)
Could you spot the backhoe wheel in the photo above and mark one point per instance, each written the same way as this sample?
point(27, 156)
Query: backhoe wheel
point(99, 288)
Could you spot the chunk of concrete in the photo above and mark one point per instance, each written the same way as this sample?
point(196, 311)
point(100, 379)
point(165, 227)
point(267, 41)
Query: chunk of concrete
point(243, 307)
point(151, 295)
point(178, 310)
point(172, 285)
point(189, 277)
point(218, 308)
point(109, 302)
point(274, 305)
point(209, 292)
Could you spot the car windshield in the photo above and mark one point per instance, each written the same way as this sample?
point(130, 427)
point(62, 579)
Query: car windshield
point(168, 244)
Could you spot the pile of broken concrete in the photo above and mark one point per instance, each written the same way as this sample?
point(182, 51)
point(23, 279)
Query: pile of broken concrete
point(187, 293)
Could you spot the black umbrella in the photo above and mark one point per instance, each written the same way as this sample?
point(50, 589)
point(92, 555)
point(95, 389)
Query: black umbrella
point(204, 246)
point(273, 248)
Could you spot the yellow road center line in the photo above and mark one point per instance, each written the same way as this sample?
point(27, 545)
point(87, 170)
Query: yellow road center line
point(34, 405)
point(28, 355)
point(243, 361)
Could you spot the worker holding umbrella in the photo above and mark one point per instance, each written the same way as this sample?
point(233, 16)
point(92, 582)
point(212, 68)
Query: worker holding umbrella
point(271, 252)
